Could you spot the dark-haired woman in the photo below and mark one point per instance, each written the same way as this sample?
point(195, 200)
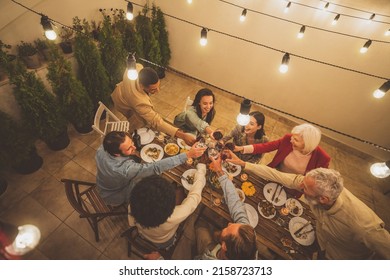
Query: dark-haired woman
point(252, 133)
point(198, 117)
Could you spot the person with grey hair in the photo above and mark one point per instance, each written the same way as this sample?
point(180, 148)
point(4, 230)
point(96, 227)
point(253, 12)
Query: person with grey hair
point(346, 228)
point(297, 152)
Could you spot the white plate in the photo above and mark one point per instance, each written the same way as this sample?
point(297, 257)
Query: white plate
point(238, 171)
point(241, 194)
point(147, 158)
point(291, 203)
point(185, 184)
point(252, 215)
point(147, 136)
point(269, 191)
point(182, 144)
point(261, 211)
point(295, 224)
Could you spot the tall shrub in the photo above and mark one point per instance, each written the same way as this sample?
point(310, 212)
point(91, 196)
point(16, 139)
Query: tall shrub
point(72, 96)
point(91, 70)
point(161, 34)
point(112, 51)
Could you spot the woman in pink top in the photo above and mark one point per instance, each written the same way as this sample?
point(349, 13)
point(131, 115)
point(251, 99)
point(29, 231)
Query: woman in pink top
point(297, 152)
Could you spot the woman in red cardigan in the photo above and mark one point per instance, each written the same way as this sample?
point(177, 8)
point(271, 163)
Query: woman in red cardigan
point(297, 152)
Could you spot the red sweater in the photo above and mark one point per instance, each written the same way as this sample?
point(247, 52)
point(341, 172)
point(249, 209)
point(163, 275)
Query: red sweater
point(319, 158)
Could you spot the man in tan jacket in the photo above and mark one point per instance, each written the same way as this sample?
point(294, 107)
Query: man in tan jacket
point(132, 99)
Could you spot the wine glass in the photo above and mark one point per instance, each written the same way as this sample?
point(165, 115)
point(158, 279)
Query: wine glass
point(213, 152)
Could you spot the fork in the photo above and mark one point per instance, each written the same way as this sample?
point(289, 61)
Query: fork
point(304, 232)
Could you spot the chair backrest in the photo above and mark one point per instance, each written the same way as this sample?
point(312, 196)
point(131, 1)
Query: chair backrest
point(188, 102)
point(110, 123)
point(85, 199)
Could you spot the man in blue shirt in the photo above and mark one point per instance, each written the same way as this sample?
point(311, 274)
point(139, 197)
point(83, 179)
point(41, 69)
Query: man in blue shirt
point(118, 172)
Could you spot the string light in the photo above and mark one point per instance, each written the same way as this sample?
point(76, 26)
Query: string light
point(307, 26)
point(380, 169)
point(129, 13)
point(284, 66)
point(326, 6)
point(287, 7)
point(387, 33)
point(371, 18)
point(336, 19)
point(366, 46)
point(47, 27)
point(132, 73)
point(189, 1)
point(243, 117)
point(301, 32)
point(380, 92)
point(203, 37)
point(243, 15)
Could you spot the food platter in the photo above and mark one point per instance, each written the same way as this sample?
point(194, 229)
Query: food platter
point(306, 235)
point(189, 175)
point(231, 168)
point(266, 209)
point(152, 152)
point(147, 135)
point(171, 149)
point(294, 206)
point(280, 196)
point(252, 215)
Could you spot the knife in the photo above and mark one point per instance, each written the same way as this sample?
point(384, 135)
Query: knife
point(301, 228)
point(305, 232)
point(273, 196)
point(181, 176)
point(280, 191)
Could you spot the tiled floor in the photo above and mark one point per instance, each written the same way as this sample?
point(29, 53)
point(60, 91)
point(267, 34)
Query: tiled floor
point(39, 198)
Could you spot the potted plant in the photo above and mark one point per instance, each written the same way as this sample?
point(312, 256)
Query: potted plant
point(4, 57)
point(66, 36)
point(39, 107)
point(95, 29)
point(91, 70)
point(131, 40)
point(161, 34)
point(151, 48)
point(29, 54)
point(112, 52)
point(72, 96)
point(17, 149)
point(43, 48)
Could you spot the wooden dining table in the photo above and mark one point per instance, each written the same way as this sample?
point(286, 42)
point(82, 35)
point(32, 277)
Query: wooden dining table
point(272, 233)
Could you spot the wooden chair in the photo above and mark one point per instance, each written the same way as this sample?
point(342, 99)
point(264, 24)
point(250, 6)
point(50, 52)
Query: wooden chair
point(85, 199)
point(143, 246)
point(111, 122)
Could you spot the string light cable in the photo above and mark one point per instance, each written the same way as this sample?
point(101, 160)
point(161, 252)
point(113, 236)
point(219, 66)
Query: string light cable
point(268, 107)
point(345, 15)
point(51, 20)
point(308, 26)
point(272, 48)
point(352, 8)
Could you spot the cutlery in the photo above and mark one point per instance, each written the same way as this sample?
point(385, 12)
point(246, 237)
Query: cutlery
point(277, 197)
point(301, 228)
point(273, 195)
point(304, 232)
point(181, 176)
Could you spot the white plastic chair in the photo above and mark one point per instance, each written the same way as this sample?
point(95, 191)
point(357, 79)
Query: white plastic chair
point(188, 102)
point(111, 123)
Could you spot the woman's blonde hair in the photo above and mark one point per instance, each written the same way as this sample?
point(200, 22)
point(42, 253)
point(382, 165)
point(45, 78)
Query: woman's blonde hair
point(311, 136)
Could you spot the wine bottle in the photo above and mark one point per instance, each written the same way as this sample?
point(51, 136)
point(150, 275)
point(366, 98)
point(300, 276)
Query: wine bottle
point(137, 140)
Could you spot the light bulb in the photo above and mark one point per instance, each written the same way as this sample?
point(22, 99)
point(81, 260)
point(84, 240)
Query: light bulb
point(284, 66)
point(243, 15)
point(387, 33)
point(378, 93)
point(51, 34)
point(243, 119)
point(336, 19)
point(203, 37)
point(189, 1)
point(287, 7)
point(132, 74)
point(129, 12)
point(380, 170)
point(366, 46)
point(301, 32)
point(26, 240)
